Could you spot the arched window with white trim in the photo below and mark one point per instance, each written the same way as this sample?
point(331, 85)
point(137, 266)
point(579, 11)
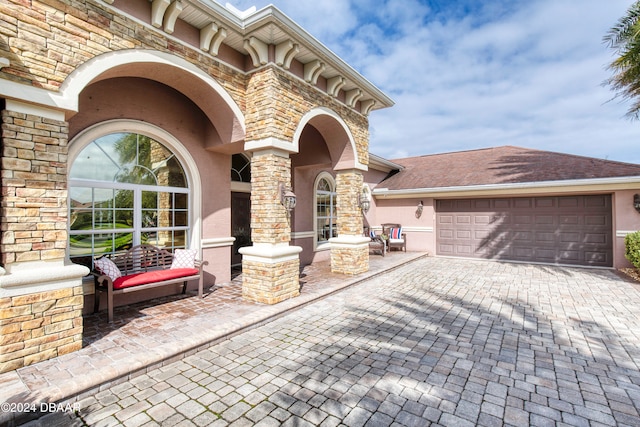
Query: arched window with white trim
point(126, 189)
point(325, 211)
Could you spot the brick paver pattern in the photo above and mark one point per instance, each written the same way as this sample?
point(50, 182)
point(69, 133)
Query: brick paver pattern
point(436, 342)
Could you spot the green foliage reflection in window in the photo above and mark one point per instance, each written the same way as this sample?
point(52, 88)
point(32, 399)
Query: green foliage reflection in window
point(129, 158)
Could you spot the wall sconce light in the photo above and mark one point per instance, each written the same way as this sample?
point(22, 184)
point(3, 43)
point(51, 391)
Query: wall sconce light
point(287, 198)
point(636, 202)
point(419, 209)
point(364, 199)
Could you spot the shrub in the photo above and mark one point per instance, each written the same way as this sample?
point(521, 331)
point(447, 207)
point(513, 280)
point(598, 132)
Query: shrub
point(632, 248)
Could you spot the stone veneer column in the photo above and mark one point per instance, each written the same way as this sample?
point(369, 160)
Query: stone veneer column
point(271, 267)
point(41, 295)
point(350, 250)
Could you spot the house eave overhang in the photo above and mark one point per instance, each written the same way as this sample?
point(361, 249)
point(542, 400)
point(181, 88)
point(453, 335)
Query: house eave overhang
point(273, 27)
point(591, 185)
point(382, 164)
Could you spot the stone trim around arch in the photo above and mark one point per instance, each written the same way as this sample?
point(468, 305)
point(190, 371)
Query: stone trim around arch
point(82, 76)
point(339, 164)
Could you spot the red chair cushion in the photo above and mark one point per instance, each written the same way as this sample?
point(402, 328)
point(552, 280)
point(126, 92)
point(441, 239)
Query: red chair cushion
point(152, 277)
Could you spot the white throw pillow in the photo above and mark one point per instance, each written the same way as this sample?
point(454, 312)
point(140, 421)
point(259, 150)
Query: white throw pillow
point(107, 267)
point(184, 258)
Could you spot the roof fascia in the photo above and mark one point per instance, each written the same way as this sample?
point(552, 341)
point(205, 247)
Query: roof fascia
point(271, 14)
point(382, 164)
point(581, 185)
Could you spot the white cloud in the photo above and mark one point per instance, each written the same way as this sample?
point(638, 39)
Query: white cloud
point(480, 74)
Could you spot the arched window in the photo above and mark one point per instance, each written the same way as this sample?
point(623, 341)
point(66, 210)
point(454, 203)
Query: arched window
point(325, 212)
point(126, 189)
point(240, 168)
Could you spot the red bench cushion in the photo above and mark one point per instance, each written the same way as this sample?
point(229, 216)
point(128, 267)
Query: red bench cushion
point(152, 277)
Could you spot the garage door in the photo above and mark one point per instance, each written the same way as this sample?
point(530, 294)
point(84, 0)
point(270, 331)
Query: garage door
point(574, 230)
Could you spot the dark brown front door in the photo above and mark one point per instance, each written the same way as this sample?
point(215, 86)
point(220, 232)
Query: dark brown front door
point(240, 224)
point(575, 230)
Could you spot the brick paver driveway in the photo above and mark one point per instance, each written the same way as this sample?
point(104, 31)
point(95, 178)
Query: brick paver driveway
point(438, 341)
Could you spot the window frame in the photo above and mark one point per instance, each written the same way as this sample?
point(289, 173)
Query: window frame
point(320, 245)
point(193, 184)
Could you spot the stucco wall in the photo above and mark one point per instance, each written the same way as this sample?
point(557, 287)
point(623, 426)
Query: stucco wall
point(626, 219)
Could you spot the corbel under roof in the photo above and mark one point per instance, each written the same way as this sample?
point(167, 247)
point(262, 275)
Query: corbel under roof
point(251, 32)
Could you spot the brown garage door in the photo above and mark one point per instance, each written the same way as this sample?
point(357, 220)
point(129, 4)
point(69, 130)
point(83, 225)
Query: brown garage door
point(573, 230)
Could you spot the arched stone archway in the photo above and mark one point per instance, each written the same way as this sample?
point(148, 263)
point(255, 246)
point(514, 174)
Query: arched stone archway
point(324, 140)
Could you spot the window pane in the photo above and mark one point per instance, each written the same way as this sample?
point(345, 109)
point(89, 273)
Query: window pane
point(149, 218)
point(150, 238)
point(240, 168)
point(181, 201)
point(124, 218)
point(81, 219)
point(103, 219)
point(102, 198)
point(149, 200)
point(181, 219)
point(112, 219)
point(80, 244)
point(124, 199)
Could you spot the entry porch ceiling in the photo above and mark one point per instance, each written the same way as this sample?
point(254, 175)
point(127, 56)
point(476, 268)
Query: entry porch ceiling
point(272, 27)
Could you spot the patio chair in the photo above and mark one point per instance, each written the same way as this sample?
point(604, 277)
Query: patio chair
point(376, 244)
point(397, 239)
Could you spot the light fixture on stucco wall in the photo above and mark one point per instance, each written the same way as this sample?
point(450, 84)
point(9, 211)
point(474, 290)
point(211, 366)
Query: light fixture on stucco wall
point(636, 202)
point(364, 198)
point(419, 209)
point(287, 198)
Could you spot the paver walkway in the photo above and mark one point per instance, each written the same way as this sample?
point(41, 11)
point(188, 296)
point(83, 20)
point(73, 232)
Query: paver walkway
point(437, 341)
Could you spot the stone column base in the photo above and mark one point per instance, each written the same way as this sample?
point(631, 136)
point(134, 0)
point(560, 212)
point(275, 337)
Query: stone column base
point(349, 254)
point(40, 313)
point(270, 272)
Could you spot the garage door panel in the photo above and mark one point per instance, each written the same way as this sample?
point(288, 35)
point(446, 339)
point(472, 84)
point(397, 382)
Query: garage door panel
point(522, 203)
point(445, 219)
point(545, 202)
point(596, 238)
point(564, 230)
point(463, 234)
point(569, 219)
point(595, 220)
point(602, 201)
point(598, 258)
point(545, 237)
point(464, 250)
point(463, 219)
point(570, 257)
point(570, 237)
point(445, 233)
point(483, 219)
point(569, 202)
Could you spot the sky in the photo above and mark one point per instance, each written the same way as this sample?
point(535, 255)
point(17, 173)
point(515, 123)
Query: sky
point(469, 74)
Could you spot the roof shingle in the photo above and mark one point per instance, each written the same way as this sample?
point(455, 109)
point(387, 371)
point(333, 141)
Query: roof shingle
point(501, 165)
